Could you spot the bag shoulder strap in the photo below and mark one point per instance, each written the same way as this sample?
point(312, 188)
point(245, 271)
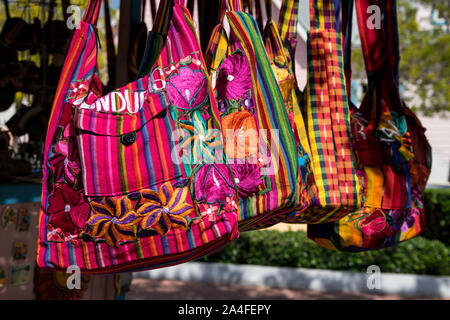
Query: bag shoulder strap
point(287, 26)
point(157, 36)
point(92, 12)
point(322, 14)
point(234, 5)
point(372, 36)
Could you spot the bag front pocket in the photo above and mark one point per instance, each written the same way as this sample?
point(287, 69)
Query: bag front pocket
point(124, 153)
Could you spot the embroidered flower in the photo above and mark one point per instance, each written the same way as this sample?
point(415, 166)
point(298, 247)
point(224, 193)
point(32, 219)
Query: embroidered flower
point(187, 89)
point(375, 225)
point(410, 220)
point(65, 162)
point(214, 183)
point(247, 103)
point(234, 77)
point(201, 139)
point(231, 204)
point(55, 234)
point(63, 167)
point(67, 209)
point(165, 209)
point(241, 135)
point(114, 220)
point(78, 90)
point(208, 212)
point(247, 177)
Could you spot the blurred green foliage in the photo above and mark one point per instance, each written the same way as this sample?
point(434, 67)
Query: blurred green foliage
point(437, 210)
point(294, 249)
point(429, 254)
point(424, 56)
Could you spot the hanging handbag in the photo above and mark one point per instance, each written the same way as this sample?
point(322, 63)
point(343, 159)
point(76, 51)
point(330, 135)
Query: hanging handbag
point(392, 153)
point(322, 122)
point(280, 44)
point(259, 141)
point(117, 193)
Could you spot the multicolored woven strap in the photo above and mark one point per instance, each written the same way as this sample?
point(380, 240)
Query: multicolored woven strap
point(372, 39)
point(287, 26)
point(127, 184)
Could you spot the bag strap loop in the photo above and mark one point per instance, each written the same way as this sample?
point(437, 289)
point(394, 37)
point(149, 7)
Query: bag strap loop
point(287, 25)
point(157, 36)
point(92, 12)
point(322, 14)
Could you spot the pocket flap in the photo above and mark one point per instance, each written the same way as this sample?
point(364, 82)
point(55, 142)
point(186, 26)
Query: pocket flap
point(110, 115)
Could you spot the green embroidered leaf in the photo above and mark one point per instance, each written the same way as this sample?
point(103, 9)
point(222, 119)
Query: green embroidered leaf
point(50, 180)
point(143, 233)
point(86, 237)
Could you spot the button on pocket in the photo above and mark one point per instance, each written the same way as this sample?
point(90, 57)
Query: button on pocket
point(128, 138)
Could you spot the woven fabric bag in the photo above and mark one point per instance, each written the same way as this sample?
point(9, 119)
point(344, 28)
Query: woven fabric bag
point(257, 135)
point(392, 153)
point(332, 188)
point(130, 176)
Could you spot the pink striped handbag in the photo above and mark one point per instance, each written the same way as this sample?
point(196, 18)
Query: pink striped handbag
point(119, 192)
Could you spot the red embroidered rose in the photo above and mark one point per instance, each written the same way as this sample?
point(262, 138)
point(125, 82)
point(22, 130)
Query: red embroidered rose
point(67, 209)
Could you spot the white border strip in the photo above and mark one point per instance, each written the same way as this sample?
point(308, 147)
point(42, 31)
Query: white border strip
point(405, 285)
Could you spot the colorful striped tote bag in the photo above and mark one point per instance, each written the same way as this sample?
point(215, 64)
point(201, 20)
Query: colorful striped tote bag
point(120, 192)
point(259, 141)
point(392, 152)
point(332, 185)
point(280, 44)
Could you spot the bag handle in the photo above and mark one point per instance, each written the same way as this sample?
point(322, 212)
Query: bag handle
point(372, 39)
point(234, 5)
point(322, 14)
point(287, 26)
point(346, 25)
point(259, 14)
point(157, 36)
point(111, 56)
point(392, 37)
point(380, 66)
point(92, 12)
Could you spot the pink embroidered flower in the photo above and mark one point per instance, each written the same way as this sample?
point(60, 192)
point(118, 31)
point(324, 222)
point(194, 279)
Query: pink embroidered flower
point(63, 167)
point(208, 212)
point(375, 225)
point(78, 89)
point(213, 183)
point(67, 209)
point(231, 204)
point(234, 77)
point(65, 162)
point(247, 177)
point(55, 234)
point(187, 89)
